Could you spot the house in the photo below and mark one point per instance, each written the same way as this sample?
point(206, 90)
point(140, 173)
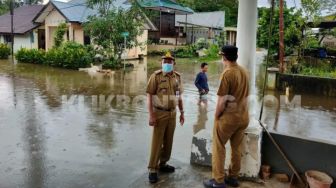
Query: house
point(230, 35)
point(164, 19)
point(207, 25)
point(75, 13)
point(327, 24)
point(26, 33)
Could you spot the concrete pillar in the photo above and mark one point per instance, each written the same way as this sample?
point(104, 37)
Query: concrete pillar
point(71, 33)
point(47, 40)
point(247, 36)
point(251, 146)
point(247, 44)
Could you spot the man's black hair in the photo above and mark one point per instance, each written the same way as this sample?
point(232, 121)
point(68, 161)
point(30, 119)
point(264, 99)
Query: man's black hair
point(230, 53)
point(203, 65)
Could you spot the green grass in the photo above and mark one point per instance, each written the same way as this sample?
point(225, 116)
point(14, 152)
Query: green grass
point(315, 71)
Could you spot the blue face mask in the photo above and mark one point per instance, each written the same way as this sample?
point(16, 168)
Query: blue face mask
point(167, 67)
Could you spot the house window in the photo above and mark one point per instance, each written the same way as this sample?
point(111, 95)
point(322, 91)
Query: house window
point(7, 38)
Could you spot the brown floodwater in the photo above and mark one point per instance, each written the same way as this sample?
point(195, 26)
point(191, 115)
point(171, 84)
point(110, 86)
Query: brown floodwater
point(69, 129)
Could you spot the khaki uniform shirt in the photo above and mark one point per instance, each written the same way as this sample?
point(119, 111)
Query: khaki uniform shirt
point(165, 89)
point(234, 85)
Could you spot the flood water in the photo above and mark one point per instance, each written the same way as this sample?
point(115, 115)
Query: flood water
point(56, 130)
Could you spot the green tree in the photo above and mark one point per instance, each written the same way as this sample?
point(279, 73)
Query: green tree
point(103, 5)
point(5, 4)
point(315, 8)
point(229, 6)
point(106, 29)
point(293, 22)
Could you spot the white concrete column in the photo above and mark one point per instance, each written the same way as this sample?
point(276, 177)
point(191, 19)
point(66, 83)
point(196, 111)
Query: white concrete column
point(247, 36)
point(47, 40)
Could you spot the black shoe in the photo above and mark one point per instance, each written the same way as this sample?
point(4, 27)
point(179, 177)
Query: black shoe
point(233, 182)
point(167, 169)
point(153, 177)
point(213, 184)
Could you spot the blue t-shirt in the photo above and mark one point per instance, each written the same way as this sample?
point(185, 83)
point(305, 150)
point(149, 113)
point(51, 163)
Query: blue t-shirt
point(201, 81)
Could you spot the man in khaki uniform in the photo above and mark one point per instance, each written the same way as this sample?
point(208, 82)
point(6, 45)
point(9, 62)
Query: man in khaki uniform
point(164, 91)
point(231, 119)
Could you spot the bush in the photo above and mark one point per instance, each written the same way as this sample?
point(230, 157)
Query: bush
point(112, 64)
point(34, 56)
point(213, 51)
point(70, 55)
point(186, 52)
point(4, 51)
point(201, 43)
point(157, 53)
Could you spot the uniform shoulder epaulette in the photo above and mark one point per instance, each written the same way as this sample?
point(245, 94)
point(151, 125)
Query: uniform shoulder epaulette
point(158, 72)
point(177, 73)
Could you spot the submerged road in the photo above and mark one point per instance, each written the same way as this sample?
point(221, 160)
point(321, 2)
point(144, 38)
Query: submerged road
point(56, 130)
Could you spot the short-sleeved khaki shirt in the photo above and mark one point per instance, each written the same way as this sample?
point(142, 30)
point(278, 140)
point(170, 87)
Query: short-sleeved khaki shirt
point(165, 89)
point(234, 85)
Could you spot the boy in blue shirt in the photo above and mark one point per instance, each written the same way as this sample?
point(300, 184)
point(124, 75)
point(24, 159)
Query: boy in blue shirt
point(201, 82)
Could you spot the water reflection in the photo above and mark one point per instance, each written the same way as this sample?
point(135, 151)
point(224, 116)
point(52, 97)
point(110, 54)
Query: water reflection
point(57, 130)
point(202, 117)
point(34, 144)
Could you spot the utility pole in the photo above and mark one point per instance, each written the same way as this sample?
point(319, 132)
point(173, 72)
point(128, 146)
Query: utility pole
point(281, 37)
point(12, 27)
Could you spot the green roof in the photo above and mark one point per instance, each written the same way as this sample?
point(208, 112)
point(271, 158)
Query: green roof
point(165, 6)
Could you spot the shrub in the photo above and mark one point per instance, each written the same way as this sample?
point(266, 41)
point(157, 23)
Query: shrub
point(4, 51)
point(112, 64)
point(212, 52)
point(70, 55)
point(157, 53)
point(186, 52)
point(34, 56)
point(201, 43)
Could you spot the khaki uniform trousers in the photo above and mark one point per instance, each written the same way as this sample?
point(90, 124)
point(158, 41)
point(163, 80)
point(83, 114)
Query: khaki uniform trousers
point(162, 139)
point(222, 133)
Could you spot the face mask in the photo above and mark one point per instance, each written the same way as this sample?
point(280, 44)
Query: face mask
point(167, 67)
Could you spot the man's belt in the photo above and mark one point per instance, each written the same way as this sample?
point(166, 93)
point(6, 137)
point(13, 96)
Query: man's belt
point(163, 109)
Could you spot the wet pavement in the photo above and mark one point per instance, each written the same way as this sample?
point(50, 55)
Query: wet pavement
point(69, 129)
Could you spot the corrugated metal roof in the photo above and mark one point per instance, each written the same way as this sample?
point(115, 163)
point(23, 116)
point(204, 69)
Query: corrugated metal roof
point(23, 19)
point(203, 19)
point(78, 11)
point(165, 5)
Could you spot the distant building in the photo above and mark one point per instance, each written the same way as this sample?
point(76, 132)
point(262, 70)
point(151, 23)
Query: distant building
point(26, 33)
point(75, 13)
point(328, 40)
point(231, 35)
point(207, 25)
point(35, 25)
point(166, 12)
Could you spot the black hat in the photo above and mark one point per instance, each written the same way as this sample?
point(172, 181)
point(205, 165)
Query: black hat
point(229, 51)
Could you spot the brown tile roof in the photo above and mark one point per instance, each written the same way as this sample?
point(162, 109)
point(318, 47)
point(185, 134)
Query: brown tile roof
point(23, 19)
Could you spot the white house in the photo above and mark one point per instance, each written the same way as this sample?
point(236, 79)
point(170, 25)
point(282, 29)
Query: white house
point(26, 33)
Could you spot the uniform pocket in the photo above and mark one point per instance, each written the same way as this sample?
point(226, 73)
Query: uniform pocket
point(163, 88)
